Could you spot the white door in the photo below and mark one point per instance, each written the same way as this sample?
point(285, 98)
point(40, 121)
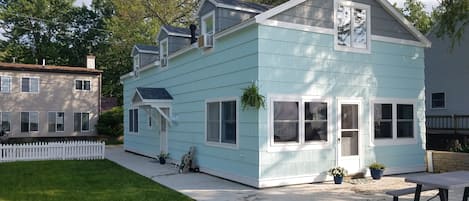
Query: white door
point(348, 138)
point(164, 131)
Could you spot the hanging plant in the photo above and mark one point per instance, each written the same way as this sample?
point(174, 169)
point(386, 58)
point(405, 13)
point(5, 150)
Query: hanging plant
point(252, 98)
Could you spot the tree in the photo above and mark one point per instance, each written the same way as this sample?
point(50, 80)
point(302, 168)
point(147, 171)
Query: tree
point(451, 18)
point(48, 29)
point(414, 11)
point(136, 22)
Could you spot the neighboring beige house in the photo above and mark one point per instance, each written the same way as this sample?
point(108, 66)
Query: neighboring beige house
point(49, 101)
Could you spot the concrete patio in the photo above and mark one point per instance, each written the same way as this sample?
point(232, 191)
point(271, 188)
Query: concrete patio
point(200, 186)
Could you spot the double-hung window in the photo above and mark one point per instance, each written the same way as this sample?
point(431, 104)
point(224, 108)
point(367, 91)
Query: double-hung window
point(299, 121)
point(393, 122)
point(81, 122)
point(164, 52)
point(82, 85)
point(133, 120)
point(56, 121)
point(352, 22)
point(29, 121)
point(30, 84)
point(222, 122)
point(208, 29)
point(5, 121)
point(5, 84)
point(438, 100)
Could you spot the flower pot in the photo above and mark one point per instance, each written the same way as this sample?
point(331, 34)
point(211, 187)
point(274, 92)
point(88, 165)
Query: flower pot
point(338, 179)
point(162, 160)
point(376, 173)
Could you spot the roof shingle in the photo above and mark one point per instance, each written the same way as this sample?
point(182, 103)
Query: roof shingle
point(47, 68)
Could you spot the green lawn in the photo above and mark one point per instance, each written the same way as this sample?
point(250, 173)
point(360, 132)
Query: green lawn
point(99, 180)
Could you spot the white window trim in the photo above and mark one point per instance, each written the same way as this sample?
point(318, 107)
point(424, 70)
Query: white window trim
point(136, 66)
point(431, 103)
point(11, 83)
point(394, 141)
point(38, 85)
point(351, 4)
point(83, 84)
point(55, 121)
point(222, 144)
point(29, 122)
point(81, 122)
point(128, 117)
point(301, 145)
point(161, 52)
point(1, 120)
point(203, 27)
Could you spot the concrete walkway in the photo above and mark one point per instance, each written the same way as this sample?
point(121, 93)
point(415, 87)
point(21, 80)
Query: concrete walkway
point(202, 186)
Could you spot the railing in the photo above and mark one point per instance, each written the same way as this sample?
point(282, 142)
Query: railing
point(448, 122)
point(71, 150)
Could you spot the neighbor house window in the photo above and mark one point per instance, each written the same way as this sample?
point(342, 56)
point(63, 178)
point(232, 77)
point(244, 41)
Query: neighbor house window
point(149, 121)
point(133, 120)
point(164, 53)
point(352, 26)
point(83, 85)
point(56, 121)
point(136, 62)
point(5, 121)
point(5, 84)
point(221, 122)
point(81, 121)
point(299, 121)
point(438, 100)
point(393, 121)
point(30, 84)
point(29, 121)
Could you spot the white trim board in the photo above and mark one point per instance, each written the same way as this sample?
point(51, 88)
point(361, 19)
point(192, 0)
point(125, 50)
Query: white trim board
point(222, 5)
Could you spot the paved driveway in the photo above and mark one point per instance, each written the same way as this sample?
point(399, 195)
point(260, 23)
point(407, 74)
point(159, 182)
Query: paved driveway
point(202, 186)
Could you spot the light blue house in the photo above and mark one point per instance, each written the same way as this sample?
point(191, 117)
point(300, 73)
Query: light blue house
point(343, 82)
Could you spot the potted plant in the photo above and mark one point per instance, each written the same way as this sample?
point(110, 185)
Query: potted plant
point(338, 173)
point(252, 98)
point(162, 157)
point(377, 170)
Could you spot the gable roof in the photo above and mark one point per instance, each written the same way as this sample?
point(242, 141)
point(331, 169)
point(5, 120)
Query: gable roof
point(154, 93)
point(145, 49)
point(237, 5)
point(48, 68)
point(176, 31)
point(386, 5)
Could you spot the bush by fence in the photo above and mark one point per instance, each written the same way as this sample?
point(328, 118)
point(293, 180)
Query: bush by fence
point(110, 123)
point(71, 150)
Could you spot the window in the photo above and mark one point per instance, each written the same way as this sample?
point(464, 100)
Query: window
point(29, 121)
point(5, 121)
point(136, 62)
point(83, 85)
point(30, 84)
point(393, 121)
point(352, 27)
point(222, 122)
point(296, 121)
point(81, 122)
point(149, 121)
point(133, 120)
point(56, 121)
point(438, 100)
point(208, 29)
point(5, 84)
point(164, 53)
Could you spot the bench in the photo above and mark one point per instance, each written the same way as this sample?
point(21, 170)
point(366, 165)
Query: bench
point(405, 191)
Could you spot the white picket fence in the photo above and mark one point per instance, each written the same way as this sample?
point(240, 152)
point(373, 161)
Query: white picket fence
point(66, 150)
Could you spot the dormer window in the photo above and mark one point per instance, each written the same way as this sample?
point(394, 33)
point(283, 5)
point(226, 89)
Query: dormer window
point(208, 30)
point(164, 53)
point(352, 22)
point(136, 62)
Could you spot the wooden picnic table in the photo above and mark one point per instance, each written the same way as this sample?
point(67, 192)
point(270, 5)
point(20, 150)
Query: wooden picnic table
point(444, 182)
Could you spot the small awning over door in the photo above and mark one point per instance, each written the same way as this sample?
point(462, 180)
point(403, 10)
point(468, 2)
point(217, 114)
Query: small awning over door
point(153, 98)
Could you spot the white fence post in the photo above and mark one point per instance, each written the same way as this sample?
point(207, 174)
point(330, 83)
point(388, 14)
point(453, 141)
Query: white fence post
point(71, 150)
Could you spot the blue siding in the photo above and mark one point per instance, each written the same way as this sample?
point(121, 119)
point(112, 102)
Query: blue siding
point(301, 63)
point(191, 79)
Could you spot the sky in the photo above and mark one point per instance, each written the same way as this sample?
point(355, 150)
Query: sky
point(428, 3)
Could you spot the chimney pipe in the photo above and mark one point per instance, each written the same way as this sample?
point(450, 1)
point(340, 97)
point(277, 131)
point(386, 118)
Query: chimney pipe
point(192, 27)
point(90, 62)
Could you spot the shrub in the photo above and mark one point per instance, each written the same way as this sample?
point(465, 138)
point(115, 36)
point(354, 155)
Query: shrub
point(377, 166)
point(111, 123)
